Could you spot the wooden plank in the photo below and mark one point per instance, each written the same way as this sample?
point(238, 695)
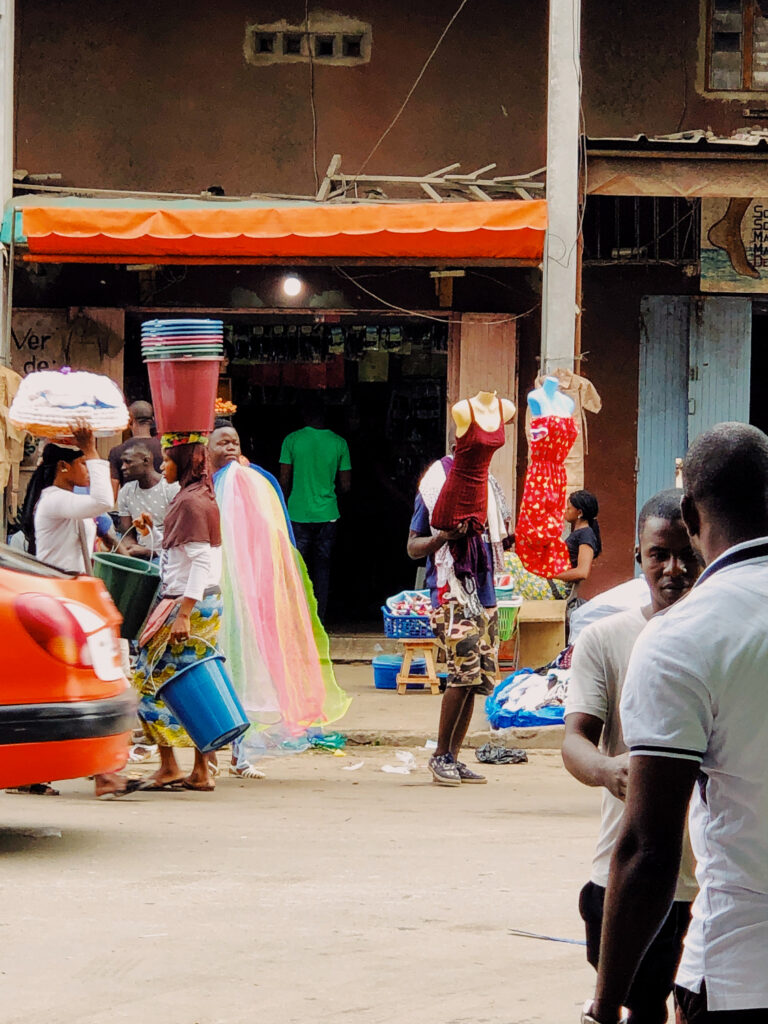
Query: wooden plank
point(484, 358)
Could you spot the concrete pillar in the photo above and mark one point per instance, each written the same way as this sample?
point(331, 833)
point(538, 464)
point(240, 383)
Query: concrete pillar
point(6, 157)
point(558, 320)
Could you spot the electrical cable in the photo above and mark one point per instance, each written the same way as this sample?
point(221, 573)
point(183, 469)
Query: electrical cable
point(410, 92)
point(427, 316)
point(312, 101)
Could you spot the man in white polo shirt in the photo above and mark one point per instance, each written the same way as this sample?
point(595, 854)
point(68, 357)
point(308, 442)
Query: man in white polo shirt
point(594, 750)
point(695, 717)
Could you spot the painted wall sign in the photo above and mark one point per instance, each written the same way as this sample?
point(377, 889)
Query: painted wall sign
point(734, 245)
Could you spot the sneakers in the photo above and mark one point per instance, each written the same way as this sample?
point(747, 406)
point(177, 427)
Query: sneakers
point(444, 770)
point(467, 775)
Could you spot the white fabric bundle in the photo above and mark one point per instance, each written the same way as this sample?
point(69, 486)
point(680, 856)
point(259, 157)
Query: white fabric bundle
point(48, 401)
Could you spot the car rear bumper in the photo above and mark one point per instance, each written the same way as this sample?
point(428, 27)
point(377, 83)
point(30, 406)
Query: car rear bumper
point(68, 720)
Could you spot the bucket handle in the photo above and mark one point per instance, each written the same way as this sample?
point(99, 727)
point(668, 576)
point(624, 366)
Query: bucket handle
point(133, 529)
point(159, 655)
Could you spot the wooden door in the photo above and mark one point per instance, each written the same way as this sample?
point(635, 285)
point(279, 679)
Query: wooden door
point(482, 356)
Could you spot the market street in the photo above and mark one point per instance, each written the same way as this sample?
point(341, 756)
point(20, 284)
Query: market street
point(318, 894)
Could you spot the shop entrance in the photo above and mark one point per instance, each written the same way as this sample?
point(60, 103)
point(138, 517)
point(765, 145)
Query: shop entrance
point(384, 382)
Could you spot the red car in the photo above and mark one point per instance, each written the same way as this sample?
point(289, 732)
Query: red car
point(66, 708)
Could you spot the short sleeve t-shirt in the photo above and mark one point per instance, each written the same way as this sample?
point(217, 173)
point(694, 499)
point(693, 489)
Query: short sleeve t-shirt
point(116, 454)
point(586, 535)
point(132, 501)
point(316, 457)
point(600, 661)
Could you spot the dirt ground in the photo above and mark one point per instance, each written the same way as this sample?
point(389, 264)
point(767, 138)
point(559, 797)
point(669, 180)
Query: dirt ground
point(319, 894)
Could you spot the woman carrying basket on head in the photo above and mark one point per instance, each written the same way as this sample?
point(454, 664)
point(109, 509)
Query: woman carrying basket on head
point(184, 625)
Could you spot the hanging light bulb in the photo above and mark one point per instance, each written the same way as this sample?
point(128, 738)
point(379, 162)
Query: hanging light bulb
point(292, 285)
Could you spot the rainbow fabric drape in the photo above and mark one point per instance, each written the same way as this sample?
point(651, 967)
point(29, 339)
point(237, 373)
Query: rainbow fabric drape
point(276, 648)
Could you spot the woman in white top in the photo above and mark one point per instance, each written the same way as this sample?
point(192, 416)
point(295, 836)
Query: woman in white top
point(58, 523)
point(60, 530)
point(185, 624)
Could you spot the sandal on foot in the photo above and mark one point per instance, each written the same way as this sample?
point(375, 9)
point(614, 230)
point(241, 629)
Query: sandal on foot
point(186, 784)
point(248, 772)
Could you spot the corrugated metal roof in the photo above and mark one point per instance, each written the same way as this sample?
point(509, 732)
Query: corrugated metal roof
point(752, 139)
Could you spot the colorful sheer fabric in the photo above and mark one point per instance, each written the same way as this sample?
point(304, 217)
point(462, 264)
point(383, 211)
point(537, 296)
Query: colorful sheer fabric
point(160, 660)
point(277, 650)
point(539, 528)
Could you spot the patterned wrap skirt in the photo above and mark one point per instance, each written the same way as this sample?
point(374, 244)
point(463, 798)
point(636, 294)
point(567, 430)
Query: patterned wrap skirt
point(160, 660)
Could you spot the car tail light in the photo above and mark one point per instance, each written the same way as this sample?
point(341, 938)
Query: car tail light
point(53, 626)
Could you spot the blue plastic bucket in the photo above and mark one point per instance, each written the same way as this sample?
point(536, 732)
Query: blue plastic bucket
point(203, 699)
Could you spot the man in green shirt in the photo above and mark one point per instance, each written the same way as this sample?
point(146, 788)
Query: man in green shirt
point(314, 466)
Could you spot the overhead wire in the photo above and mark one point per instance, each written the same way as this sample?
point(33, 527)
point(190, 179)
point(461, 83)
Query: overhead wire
point(410, 93)
point(312, 98)
point(428, 316)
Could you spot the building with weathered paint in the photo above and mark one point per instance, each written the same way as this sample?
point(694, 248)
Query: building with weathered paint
point(179, 98)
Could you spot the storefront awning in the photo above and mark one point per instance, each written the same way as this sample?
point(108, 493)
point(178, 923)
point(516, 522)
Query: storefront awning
point(96, 230)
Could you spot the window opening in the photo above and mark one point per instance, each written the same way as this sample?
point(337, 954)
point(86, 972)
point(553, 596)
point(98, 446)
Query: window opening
point(265, 42)
point(292, 44)
point(352, 46)
point(324, 46)
point(737, 45)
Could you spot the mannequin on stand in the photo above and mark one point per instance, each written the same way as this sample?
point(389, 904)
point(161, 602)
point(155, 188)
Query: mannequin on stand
point(538, 533)
point(548, 400)
point(463, 523)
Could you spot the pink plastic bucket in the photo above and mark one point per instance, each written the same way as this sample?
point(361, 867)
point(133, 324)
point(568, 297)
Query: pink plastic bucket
point(184, 393)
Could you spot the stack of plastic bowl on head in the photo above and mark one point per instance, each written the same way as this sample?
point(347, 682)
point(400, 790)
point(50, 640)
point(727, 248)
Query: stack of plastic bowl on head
point(183, 359)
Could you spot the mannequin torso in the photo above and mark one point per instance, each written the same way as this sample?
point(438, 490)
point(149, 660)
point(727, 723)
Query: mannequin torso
point(548, 400)
point(485, 406)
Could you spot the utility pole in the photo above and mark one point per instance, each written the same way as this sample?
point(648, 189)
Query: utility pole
point(6, 162)
point(561, 258)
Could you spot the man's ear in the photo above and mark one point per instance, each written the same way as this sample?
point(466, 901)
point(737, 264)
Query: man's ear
point(690, 515)
point(637, 554)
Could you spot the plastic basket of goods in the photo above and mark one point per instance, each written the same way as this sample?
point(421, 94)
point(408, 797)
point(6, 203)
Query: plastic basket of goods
point(407, 615)
point(508, 605)
point(49, 401)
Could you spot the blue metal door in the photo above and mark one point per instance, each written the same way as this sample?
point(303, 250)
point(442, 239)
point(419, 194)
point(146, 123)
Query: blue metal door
point(720, 362)
point(662, 422)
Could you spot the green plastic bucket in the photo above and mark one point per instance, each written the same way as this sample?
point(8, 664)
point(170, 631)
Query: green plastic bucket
point(132, 584)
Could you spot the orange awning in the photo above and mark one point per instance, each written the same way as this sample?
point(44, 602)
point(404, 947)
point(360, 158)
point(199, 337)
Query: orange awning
point(153, 231)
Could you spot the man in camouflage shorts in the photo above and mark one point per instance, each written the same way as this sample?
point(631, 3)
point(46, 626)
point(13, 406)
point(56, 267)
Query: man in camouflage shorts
point(471, 645)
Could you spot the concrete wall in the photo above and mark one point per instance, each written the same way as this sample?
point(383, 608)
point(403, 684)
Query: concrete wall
point(643, 66)
point(160, 96)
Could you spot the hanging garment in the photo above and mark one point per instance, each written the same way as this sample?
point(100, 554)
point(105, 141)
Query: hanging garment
point(464, 497)
point(538, 534)
point(465, 494)
point(585, 399)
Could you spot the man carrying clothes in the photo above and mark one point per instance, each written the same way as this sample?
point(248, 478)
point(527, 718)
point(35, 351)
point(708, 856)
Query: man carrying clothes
point(314, 466)
point(468, 634)
point(594, 750)
point(695, 717)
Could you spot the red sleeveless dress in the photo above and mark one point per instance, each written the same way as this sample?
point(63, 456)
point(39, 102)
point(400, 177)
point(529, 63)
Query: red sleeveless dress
point(465, 492)
point(539, 528)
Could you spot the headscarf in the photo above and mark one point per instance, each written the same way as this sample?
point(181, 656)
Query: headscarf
point(193, 515)
point(587, 505)
point(43, 477)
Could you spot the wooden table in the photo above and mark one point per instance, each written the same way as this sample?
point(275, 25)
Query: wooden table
point(541, 625)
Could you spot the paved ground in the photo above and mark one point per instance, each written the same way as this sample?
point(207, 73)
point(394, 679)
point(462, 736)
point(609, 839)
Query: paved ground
point(316, 895)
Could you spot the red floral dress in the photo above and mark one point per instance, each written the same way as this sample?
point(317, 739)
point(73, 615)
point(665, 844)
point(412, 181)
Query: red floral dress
point(538, 533)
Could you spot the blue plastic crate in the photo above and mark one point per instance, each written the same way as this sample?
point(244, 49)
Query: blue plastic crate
point(406, 627)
